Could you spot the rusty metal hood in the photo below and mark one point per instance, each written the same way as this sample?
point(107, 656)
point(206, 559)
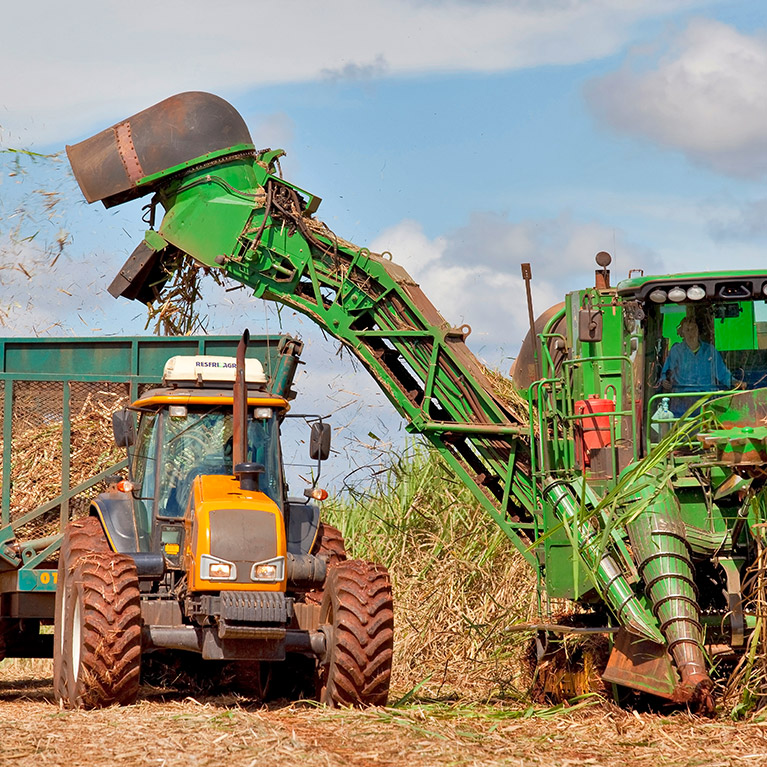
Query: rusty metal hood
point(118, 164)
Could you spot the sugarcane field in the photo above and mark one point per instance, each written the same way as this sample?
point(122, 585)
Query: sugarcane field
point(384, 384)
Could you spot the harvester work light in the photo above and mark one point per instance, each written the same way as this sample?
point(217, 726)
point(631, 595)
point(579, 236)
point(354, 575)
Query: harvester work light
point(677, 294)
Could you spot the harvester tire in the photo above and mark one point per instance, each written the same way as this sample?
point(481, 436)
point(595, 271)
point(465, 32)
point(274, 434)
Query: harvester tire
point(357, 615)
point(99, 650)
point(81, 537)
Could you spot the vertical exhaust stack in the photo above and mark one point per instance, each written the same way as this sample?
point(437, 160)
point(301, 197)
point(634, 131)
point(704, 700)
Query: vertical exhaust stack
point(602, 276)
point(240, 407)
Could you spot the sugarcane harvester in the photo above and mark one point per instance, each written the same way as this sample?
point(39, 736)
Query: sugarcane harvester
point(632, 480)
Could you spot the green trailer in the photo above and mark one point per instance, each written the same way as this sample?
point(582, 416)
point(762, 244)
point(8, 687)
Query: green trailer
point(53, 393)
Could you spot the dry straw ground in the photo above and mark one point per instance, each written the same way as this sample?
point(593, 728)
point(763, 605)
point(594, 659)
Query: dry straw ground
point(169, 730)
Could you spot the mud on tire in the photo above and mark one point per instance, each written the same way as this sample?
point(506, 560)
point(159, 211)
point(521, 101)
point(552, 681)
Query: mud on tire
point(357, 611)
point(82, 536)
point(329, 544)
point(98, 650)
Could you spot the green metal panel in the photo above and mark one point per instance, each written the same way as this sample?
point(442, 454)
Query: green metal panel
point(118, 359)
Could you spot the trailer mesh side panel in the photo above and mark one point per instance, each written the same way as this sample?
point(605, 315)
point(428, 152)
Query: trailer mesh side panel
point(38, 440)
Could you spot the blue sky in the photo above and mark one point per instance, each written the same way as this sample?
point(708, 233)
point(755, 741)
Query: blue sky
point(465, 136)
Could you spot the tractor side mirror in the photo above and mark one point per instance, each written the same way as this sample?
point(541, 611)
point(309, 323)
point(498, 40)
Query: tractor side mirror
point(319, 441)
point(123, 428)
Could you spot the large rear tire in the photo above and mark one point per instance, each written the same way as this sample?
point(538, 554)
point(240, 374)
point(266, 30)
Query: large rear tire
point(99, 625)
point(357, 615)
point(329, 544)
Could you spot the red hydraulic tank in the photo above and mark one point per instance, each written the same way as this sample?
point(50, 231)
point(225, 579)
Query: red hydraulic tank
point(592, 432)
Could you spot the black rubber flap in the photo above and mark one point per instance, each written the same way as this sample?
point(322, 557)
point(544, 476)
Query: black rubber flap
point(179, 129)
point(139, 273)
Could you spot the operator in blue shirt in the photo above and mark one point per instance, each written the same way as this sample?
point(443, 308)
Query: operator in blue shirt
point(694, 365)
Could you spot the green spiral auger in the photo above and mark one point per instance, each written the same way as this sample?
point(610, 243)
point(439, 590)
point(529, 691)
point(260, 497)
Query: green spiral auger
point(662, 555)
point(605, 571)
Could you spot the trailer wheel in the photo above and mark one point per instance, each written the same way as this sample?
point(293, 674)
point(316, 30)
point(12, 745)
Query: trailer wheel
point(99, 647)
point(357, 615)
point(81, 537)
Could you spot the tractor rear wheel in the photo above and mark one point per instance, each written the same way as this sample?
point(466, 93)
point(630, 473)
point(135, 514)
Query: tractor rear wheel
point(329, 545)
point(99, 647)
point(357, 615)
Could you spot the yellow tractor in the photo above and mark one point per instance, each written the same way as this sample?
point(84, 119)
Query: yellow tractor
point(200, 552)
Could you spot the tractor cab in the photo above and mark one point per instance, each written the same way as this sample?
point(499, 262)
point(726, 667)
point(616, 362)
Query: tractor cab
point(186, 430)
point(203, 449)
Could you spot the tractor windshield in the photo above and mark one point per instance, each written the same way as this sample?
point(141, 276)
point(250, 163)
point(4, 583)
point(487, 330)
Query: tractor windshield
point(695, 349)
point(171, 450)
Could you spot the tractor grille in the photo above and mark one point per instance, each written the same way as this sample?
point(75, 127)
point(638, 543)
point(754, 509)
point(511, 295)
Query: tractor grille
point(246, 607)
point(243, 535)
point(256, 607)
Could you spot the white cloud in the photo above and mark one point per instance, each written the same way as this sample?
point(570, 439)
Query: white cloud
point(744, 222)
point(271, 130)
point(94, 62)
point(704, 95)
point(473, 274)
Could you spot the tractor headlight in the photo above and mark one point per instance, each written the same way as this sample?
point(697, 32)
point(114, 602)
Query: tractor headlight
point(214, 569)
point(272, 570)
point(696, 293)
point(658, 296)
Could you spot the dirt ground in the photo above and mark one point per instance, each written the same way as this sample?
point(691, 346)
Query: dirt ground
point(167, 730)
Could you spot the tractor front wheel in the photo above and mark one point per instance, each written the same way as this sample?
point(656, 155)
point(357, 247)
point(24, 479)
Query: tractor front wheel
point(357, 615)
point(97, 655)
point(81, 537)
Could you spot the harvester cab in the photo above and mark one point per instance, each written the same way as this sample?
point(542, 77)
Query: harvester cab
point(216, 558)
